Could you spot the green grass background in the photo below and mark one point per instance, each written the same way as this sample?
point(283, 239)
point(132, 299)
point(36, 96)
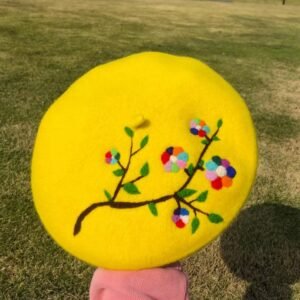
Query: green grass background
point(45, 45)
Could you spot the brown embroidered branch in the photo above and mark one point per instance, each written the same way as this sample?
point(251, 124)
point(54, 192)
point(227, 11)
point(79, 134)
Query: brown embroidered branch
point(134, 180)
point(180, 199)
point(199, 160)
point(136, 151)
point(122, 167)
point(120, 205)
point(123, 205)
point(125, 172)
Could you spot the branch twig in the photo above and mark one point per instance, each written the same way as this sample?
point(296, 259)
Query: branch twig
point(199, 160)
point(121, 205)
point(134, 180)
point(93, 206)
point(124, 174)
point(136, 151)
point(122, 167)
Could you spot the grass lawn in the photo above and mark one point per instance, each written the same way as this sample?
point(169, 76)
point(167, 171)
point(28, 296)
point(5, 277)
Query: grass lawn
point(45, 45)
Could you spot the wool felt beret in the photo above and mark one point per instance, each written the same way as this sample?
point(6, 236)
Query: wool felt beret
point(143, 161)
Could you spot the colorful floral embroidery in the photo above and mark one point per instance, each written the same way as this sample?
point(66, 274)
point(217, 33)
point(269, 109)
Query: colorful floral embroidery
point(180, 217)
point(199, 127)
point(219, 172)
point(174, 159)
point(112, 156)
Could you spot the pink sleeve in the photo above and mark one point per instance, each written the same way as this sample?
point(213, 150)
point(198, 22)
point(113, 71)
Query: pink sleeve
point(158, 283)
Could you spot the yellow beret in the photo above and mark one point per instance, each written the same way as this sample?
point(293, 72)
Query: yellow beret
point(143, 161)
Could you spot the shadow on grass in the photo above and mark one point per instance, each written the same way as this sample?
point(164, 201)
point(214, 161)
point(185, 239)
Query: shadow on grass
point(263, 247)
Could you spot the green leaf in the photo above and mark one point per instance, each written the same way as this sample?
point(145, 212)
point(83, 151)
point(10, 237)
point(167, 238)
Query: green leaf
point(131, 188)
point(191, 169)
point(153, 209)
point(144, 141)
point(202, 197)
point(118, 156)
point(215, 138)
point(108, 195)
point(195, 224)
point(145, 170)
point(214, 218)
point(201, 163)
point(118, 172)
point(220, 123)
point(186, 193)
point(204, 142)
point(129, 131)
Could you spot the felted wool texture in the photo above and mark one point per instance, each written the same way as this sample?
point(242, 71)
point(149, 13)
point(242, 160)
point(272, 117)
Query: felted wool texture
point(155, 95)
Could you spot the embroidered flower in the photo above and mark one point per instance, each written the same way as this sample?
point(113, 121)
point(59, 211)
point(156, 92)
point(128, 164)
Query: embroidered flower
point(174, 159)
point(180, 217)
point(219, 172)
point(199, 127)
point(112, 156)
